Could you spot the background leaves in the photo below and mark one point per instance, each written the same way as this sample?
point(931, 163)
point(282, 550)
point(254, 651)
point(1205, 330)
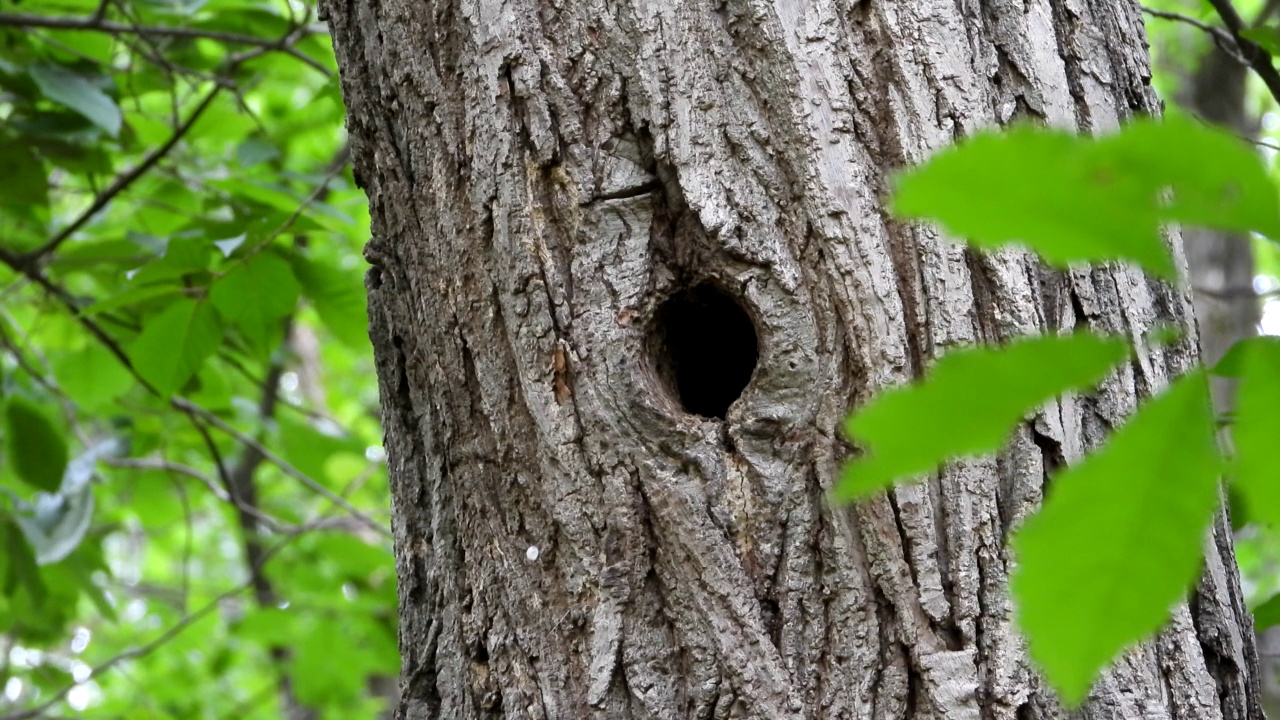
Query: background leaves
point(180, 279)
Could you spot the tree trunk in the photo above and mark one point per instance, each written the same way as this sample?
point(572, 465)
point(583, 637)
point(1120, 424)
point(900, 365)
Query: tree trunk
point(573, 205)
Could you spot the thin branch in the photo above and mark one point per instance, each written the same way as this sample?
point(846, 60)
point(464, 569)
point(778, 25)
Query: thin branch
point(97, 24)
point(162, 465)
point(188, 407)
point(144, 650)
point(1218, 33)
point(1259, 59)
point(179, 403)
point(122, 181)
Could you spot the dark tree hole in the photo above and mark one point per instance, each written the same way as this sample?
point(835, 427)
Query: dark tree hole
point(705, 348)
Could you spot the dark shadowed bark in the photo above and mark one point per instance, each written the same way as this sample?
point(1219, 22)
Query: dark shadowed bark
point(582, 215)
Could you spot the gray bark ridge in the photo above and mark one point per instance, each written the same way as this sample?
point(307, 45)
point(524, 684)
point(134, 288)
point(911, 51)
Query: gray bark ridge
point(569, 542)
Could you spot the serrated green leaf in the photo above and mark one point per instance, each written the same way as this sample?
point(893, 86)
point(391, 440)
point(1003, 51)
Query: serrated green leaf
point(174, 344)
point(1118, 541)
point(1044, 189)
point(268, 626)
point(183, 257)
point(1080, 199)
point(319, 679)
point(968, 404)
point(256, 295)
point(75, 91)
point(36, 448)
point(1256, 430)
point(134, 296)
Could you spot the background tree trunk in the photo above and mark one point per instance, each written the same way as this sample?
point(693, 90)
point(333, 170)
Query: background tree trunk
point(571, 542)
point(1220, 272)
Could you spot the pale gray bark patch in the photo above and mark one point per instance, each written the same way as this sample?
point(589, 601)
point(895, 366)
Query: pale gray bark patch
point(542, 176)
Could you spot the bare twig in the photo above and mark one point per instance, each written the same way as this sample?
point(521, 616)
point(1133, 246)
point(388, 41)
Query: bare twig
point(169, 466)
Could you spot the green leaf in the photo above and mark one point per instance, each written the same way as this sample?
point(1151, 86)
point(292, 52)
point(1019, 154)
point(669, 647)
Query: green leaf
point(1256, 430)
point(1218, 180)
point(183, 257)
point(1045, 189)
point(1268, 38)
point(339, 298)
point(1232, 364)
point(968, 404)
point(92, 376)
point(1267, 614)
point(23, 180)
point(20, 570)
point(174, 344)
point(36, 448)
point(77, 92)
point(1118, 540)
point(256, 296)
point(82, 564)
point(1081, 199)
point(154, 498)
point(319, 679)
point(134, 296)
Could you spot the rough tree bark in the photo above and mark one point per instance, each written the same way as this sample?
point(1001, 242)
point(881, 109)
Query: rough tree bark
point(570, 541)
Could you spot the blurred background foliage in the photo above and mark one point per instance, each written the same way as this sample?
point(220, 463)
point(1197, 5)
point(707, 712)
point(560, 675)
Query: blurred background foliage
point(193, 495)
point(1181, 34)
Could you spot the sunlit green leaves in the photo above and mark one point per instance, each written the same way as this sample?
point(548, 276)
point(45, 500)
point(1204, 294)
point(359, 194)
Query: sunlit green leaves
point(174, 343)
point(1217, 179)
point(36, 448)
point(1267, 614)
point(968, 404)
point(1118, 541)
point(1079, 199)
